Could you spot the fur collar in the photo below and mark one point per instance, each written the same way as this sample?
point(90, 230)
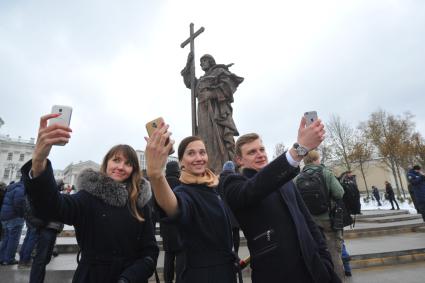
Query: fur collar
point(109, 191)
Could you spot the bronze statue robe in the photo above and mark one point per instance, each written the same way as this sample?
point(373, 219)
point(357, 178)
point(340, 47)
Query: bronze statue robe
point(216, 127)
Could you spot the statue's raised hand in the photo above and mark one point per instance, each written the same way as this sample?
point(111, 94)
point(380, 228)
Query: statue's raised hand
point(189, 57)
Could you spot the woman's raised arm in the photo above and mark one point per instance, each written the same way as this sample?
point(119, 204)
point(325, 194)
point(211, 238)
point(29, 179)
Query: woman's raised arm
point(157, 148)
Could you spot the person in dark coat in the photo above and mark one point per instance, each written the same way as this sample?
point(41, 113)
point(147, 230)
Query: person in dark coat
point(195, 206)
point(12, 217)
point(390, 195)
point(229, 168)
point(417, 181)
point(171, 239)
point(43, 237)
point(31, 236)
point(284, 242)
point(2, 193)
point(112, 223)
point(376, 195)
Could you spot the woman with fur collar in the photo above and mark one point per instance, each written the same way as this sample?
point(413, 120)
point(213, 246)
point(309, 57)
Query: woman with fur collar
point(195, 206)
point(112, 221)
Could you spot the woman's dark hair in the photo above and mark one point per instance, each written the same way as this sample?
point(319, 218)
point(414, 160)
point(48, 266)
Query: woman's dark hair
point(184, 143)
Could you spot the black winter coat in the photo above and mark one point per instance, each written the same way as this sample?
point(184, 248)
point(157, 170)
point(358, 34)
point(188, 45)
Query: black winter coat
point(171, 239)
point(206, 233)
point(284, 242)
point(113, 243)
point(389, 190)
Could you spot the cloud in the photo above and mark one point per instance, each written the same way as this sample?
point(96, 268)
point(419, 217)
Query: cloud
point(118, 65)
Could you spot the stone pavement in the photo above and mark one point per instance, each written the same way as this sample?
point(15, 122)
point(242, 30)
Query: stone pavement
point(405, 273)
point(385, 245)
point(386, 237)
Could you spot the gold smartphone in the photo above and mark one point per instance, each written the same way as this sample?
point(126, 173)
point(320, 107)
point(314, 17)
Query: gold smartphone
point(153, 125)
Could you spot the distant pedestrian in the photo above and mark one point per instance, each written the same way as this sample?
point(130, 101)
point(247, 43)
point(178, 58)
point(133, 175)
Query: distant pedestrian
point(351, 197)
point(42, 236)
point(376, 195)
point(31, 237)
point(389, 193)
point(417, 181)
point(2, 193)
point(12, 217)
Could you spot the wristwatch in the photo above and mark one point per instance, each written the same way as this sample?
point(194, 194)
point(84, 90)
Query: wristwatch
point(300, 150)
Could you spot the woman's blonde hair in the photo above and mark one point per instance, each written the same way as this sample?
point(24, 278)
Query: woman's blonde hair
point(311, 157)
point(135, 179)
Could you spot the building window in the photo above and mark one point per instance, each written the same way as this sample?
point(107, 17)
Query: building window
point(21, 157)
point(6, 173)
point(9, 156)
point(142, 161)
point(18, 174)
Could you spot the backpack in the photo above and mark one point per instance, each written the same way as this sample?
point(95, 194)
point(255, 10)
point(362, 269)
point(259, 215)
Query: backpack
point(351, 197)
point(312, 187)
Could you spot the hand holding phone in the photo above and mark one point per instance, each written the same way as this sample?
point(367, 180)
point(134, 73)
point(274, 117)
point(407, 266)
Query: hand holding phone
point(153, 125)
point(310, 117)
point(63, 119)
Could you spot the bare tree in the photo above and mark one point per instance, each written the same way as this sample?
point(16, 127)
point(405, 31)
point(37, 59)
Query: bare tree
point(418, 150)
point(341, 140)
point(279, 148)
point(1, 122)
point(325, 151)
point(360, 154)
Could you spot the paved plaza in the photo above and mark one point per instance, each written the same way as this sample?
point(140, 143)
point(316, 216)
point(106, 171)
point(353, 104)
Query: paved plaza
point(385, 246)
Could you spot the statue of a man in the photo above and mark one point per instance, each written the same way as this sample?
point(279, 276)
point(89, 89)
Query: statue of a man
point(214, 91)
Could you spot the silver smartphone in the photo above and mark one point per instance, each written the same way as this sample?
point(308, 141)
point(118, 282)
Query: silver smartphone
point(310, 117)
point(63, 119)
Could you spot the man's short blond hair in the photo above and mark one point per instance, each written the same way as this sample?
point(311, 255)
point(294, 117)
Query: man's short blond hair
point(311, 157)
point(242, 140)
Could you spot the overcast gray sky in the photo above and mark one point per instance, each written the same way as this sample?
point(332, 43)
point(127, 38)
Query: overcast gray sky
point(117, 63)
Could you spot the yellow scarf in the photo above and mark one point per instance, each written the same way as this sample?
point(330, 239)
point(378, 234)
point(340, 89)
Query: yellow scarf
point(208, 178)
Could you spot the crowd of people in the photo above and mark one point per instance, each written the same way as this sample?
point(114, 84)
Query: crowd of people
point(292, 219)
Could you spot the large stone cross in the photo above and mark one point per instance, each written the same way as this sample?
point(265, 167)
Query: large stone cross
point(191, 40)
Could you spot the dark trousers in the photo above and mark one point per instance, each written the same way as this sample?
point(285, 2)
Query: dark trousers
point(346, 259)
point(393, 200)
point(334, 241)
point(31, 238)
point(171, 258)
point(44, 250)
point(12, 235)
